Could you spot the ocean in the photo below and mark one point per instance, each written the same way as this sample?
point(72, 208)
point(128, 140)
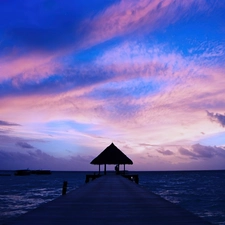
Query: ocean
point(201, 192)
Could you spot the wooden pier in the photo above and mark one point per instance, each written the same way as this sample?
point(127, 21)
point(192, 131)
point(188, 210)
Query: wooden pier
point(109, 200)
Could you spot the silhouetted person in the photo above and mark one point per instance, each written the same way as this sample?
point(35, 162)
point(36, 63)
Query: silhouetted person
point(117, 169)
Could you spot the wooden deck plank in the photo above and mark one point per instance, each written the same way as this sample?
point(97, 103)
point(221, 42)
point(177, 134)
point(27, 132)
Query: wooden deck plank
point(110, 199)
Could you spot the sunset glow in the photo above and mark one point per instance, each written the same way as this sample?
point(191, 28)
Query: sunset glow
point(147, 75)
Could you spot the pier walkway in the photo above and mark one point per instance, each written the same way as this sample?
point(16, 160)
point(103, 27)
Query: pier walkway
point(109, 200)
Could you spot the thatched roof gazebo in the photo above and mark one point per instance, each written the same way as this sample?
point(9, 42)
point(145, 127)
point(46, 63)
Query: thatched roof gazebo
point(111, 155)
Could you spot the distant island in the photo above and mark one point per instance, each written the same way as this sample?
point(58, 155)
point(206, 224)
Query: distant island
point(28, 172)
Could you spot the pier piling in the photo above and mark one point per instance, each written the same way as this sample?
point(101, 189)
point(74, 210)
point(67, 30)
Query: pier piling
point(64, 188)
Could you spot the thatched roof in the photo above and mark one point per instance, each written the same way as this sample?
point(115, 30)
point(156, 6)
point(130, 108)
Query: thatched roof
point(111, 155)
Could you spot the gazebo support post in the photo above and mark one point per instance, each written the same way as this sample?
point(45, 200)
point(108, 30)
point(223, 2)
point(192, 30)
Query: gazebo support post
point(124, 168)
point(99, 169)
point(105, 169)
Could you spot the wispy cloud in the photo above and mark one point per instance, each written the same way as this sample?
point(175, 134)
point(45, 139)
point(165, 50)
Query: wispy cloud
point(33, 73)
point(165, 152)
point(24, 145)
point(202, 152)
point(132, 71)
point(127, 17)
point(217, 117)
point(5, 123)
point(37, 159)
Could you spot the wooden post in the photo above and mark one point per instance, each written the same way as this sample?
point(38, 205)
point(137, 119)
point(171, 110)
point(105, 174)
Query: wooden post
point(124, 168)
point(99, 169)
point(105, 169)
point(64, 188)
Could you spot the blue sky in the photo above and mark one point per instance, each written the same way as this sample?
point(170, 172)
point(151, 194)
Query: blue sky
point(76, 76)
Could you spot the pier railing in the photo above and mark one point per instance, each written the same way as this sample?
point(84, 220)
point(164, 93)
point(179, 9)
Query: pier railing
point(131, 177)
point(91, 177)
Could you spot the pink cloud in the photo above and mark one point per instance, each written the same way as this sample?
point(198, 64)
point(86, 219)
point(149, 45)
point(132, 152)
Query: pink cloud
point(129, 16)
point(118, 19)
point(31, 67)
point(174, 113)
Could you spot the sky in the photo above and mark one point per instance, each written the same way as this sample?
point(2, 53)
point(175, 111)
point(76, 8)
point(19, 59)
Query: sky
point(147, 75)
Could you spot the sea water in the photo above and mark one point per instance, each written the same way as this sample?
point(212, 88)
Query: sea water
point(201, 192)
point(20, 194)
